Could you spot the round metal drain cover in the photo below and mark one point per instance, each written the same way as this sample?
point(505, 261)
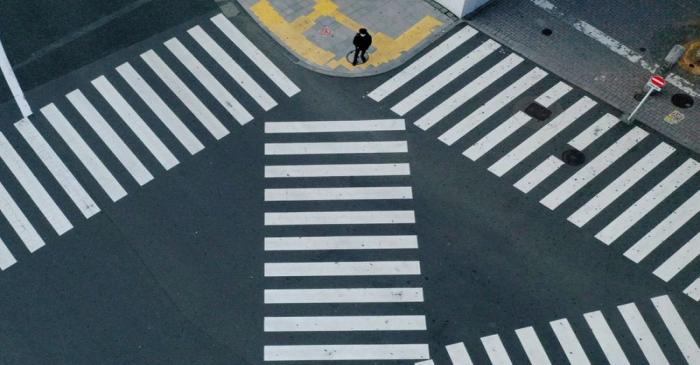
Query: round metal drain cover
point(547, 32)
point(573, 157)
point(682, 100)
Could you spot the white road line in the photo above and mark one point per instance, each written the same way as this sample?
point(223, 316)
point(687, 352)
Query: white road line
point(426, 362)
point(389, 169)
point(594, 168)
point(340, 295)
point(359, 268)
point(33, 187)
point(649, 201)
point(679, 260)
point(623, 183)
point(495, 350)
point(215, 88)
point(539, 174)
point(346, 352)
point(19, 222)
point(332, 148)
point(359, 193)
point(345, 323)
point(254, 54)
point(693, 290)
point(160, 109)
point(642, 334)
point(519, 119)
point(679, 331)
point(340, 217)
point(492, 106)
point(340, 243)
point(110, 138)
point(466, 93)
point(445, 77)
point(144, 133)
point(532, 346)
point(232, 68)
point(569, 343)
point(593, 132)
point(423, 63)
point(542, 136)
point(606, 338)
point(458, 354)
point(336, 126)
point(664, 229)
point(13, 84)
point(86, 156)
point(6, 258)
point(186, 96)
point(58, 169)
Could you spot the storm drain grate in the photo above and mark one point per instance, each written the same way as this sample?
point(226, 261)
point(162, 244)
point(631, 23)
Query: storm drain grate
point(682, 100)
point(537, 111)
point(573, 157)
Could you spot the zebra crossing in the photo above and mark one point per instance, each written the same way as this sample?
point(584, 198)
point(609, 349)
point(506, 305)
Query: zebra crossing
point(342, 282)
point(124, 119)
point(516, 120)
point(635, 334)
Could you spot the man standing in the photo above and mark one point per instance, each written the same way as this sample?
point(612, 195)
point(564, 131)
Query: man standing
point(362, 42)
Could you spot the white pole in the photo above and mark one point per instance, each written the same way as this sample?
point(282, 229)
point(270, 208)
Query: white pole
point(12, 82)
point(630, 118)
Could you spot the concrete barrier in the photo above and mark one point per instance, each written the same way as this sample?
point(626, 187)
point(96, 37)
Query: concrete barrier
point(462, 7)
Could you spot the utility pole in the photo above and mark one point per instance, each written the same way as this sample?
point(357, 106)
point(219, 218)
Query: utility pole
point(13, 84)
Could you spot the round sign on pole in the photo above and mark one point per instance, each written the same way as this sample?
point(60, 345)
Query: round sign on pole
point(658, 81)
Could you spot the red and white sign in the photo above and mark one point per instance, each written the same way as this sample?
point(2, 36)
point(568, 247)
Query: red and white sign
point(657, 82)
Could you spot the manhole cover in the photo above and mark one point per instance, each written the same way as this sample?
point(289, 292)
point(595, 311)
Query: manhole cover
point(351, 56)
point(682, 100)
point(573, 157)
point(537, 111)
point(547, 32)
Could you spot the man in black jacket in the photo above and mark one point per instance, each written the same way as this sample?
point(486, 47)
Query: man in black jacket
point(362, 42)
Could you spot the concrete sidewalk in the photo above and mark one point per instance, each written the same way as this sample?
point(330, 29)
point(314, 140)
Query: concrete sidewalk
point(320, 32)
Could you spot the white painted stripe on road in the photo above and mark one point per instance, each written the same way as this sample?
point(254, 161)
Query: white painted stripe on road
point(346, 352)
point(553, 95)
point(676, 326)
point(340, 243)
point(492, 106)
point(360, 193)
point(652, 240)
point(359, 268)
point(19, 222)
point(458, 354)
point(33, 187)
point(532, 346)
point(340, 295)
point(339, 217)
point(569, 343)
point(594, 168)
point(606, 338)
point(186, 96)
point(84, 153)
point(468, 92)
point(693, 290)
point(495, 350)
point(426, 362)
point(679, 260)
point(539, 174)
point(388, 169)
point(11, 79)
point(110, 138)
point(333, 148)
point(542, 136)
point(160, 109)
point(345, 323)
point(445, 77)
point(58, 169)
point(254, 54)
point(213, 86)
point(231, 67)
point(137, 125)
point(649, 201)
point(336, 126)
point(423, 63)
point(623, 183)
point(642, 334)
point(593, 132)
point(6, 258)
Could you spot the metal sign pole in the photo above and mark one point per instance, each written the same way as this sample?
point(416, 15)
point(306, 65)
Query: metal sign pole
point(13, 84)
point(631, 117)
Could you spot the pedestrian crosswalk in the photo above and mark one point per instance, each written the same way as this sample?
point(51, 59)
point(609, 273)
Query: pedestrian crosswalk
point(510, 117)
point(598, 338)
point(122, 127)
point(339, 242)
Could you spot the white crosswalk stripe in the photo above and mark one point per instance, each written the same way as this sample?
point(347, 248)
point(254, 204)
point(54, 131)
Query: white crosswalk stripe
point(387, 169)
point(19, 222)
point(532, 346)
point(458, 354)
point(332, 148)
point(371, 268)
point(569, 342)
point(336, 126)
point(606, 338)
point(679, 260)
point(346, 352)
point(340, 243)
point(642, 334)
point(679, 331)
point(340, 295)
point(495, 350)
point(593, 132)
point(6, 258)
point(539, 174)
point(345, 323)
point(311, 194)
